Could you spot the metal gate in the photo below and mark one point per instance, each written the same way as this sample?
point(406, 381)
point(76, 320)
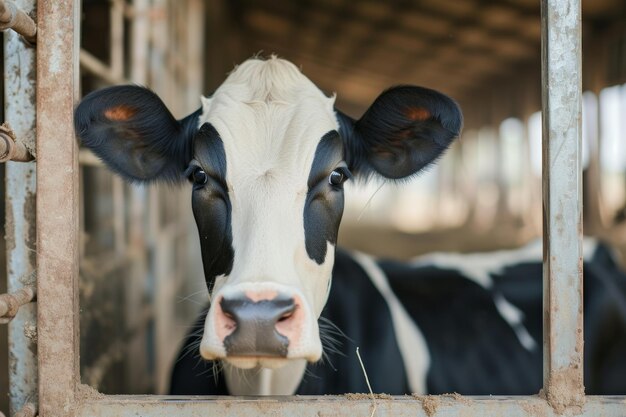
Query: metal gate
point(59, 390)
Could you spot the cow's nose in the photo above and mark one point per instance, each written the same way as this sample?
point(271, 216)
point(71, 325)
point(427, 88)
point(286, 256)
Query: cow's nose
point(257, 326)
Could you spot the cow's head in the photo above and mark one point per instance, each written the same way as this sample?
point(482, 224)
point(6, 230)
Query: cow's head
point(267, 156)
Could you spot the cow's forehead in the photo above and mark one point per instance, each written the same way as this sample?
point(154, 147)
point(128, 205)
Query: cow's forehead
point(268, 80)
point(270, 118)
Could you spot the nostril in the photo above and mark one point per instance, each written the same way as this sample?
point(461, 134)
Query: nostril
point(226, 318)
point(287, 315)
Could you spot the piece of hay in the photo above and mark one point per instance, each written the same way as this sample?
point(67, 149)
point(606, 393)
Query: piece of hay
point(368, 382)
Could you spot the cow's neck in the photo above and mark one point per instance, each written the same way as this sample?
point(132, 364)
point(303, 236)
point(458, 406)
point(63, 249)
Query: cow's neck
point(263, 381)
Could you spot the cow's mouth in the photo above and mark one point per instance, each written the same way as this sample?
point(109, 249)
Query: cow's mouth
point(253, 360)
point(250, 362)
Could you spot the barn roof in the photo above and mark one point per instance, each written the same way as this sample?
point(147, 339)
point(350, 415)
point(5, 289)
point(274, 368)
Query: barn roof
point(474, 50)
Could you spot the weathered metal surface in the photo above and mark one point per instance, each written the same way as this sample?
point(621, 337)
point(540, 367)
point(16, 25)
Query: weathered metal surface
point(117, 38)
point(57, 206)
point(19, 99)
point(12, 17)
point(11, 302)
point(95, 404)
point(562, 231)
point(10, 148)
point(29, 410)
point(91, 64)
point(139, 209)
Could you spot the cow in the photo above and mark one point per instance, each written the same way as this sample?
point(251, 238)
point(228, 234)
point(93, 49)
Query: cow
point(267, 155)
point(445, 322)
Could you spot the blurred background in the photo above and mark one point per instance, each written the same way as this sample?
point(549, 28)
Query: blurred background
point(141, 274)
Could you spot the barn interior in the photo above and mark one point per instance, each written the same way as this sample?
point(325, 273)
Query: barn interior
point(141, 274)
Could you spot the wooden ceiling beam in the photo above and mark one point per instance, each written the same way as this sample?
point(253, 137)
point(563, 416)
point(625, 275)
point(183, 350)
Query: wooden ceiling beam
point(350, 15)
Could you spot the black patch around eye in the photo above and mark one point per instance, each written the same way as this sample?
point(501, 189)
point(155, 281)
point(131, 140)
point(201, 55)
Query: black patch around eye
point(213, 218)
point(324, 205)
point(211, 204)
point(209, 152)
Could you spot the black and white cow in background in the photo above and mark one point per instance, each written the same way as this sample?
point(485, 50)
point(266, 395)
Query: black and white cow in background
point(267, 155)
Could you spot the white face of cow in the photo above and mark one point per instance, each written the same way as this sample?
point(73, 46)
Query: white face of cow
point(267, 155)
point(269, 134)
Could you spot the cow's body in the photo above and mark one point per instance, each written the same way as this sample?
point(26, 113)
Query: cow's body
point(474, 327)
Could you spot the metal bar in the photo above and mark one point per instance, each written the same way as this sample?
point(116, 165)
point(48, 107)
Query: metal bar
point(98, 405)
point(116, 58)
point(138, 195)
point(117, 38)
point(10, 303)
point(29, 410)
point(93, 65)
point(195, 23)
point(19, 108)
point(57, 206)
point(12, 17)
point(117, 350)
point(119, 224)
point(10, 148)
point(139, 41)
point(562, 190)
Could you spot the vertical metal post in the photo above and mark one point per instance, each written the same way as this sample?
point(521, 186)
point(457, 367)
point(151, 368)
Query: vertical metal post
point(195, 54)
point(562, 189)
point(19, 90)
point(57, 206)
point(117, 38)
point(138, 194)
point(117, 69)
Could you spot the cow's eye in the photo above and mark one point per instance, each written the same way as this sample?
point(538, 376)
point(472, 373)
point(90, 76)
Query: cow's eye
point(338, 177)
point(199, 177)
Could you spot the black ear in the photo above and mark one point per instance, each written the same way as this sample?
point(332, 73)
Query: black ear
point(404, 130)
point(134, 133)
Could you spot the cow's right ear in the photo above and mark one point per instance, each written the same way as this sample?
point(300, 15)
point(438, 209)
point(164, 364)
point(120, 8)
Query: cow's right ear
point(135, 134)
point(402, 132)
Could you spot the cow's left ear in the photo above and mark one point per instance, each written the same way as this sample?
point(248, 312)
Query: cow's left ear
point(134, 133)
point(404, 130)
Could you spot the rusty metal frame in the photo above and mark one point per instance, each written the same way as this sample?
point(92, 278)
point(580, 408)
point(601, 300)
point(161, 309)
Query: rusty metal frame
point(57, 206)
point(10, 148)
point(11, 302)
point(562, 204)
point(60, 393)
point(19, 141)
point(14, 17)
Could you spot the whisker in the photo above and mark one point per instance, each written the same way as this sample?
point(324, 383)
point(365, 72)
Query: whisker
point(198, 303)
point(369, 201)
point(217, 367)
point(331, 344)
point(330, 338)
point(309, 373)
point(188, 349)
point(328, 324)
point(326, 359)
point(187, 298)
point(212, 371)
